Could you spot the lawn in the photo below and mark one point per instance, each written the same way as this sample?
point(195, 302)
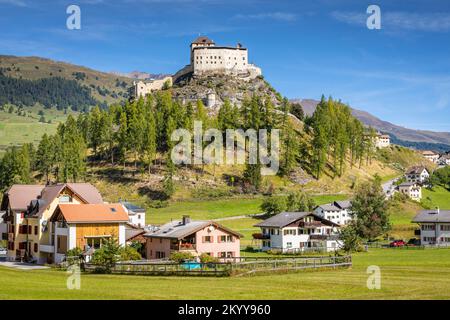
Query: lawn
point(439, 196)
point(215, 209)
point(17, 130)
point(405, 274)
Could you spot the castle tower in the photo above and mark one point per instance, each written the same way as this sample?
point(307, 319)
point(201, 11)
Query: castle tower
point(201, 42)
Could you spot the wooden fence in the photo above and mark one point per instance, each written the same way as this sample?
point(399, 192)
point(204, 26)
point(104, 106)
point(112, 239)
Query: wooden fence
point(245, 266)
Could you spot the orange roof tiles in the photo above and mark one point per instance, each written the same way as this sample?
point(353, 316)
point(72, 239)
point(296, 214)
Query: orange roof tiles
point(87, 213)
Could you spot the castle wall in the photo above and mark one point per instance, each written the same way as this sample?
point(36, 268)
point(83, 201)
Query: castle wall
point(220, 59)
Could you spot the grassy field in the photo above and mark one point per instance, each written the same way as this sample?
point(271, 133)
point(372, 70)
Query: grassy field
point(438, 196)
point(405, 274)
point(215, 209)
point(16, 130)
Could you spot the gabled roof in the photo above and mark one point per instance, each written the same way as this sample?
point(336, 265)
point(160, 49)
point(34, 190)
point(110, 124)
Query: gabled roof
point(284, 219)
point(85, 191)
point(429, 153)
point(90, 213)
point(132, 207)
point(178, 230)
point(329, 207)
point(19, 196)
point(203, 40)
point(343, 204)
point(407, 184)
point(416, 170)
point(433, 216)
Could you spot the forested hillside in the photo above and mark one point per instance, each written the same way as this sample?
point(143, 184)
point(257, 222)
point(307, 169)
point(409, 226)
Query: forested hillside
point(93, 87)
point(53, 92)
point(133, 140)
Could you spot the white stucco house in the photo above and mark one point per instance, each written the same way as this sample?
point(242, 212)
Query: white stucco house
point(338, 212)
point(434, 227)
point(411, 189)
point(136, 214)
point(417, 174)
point(298, 232)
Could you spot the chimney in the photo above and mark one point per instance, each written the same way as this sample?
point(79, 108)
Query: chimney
point(186, 220)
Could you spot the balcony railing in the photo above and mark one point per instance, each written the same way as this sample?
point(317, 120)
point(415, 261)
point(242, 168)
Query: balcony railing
point(183, 246)
point(311, 225)
point(261, 236)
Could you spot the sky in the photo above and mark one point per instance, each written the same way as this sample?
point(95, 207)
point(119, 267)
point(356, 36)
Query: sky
point(399, 73)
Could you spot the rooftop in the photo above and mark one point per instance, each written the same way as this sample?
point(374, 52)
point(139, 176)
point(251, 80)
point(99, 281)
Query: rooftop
point(203, 40)
point(435, 215)
point(86, 213)
point(286, 218)
point(416, 170)
point(179, 230)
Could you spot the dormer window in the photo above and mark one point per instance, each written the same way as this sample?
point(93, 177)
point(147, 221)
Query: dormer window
point(65, 199)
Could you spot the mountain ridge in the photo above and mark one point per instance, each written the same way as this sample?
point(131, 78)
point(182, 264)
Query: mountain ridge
point(439, 141)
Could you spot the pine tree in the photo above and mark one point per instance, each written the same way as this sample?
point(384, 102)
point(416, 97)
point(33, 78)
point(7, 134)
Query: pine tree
point(122, 137)
point(45, 157)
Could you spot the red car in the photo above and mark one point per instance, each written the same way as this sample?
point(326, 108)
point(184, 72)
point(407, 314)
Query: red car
point(397, 243)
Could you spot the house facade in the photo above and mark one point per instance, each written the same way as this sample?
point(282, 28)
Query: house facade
point(382, 140)
point(434, 227)
point(28, 210)
point(431, 155)
point(444, 160)
point(136, 214)
point(417, 174)
point(411, 189)
point(196, 237)
point(298, 232)
point(338, 212)
point(85, 226)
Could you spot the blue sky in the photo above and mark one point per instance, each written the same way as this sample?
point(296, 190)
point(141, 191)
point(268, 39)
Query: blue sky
point(400, 73)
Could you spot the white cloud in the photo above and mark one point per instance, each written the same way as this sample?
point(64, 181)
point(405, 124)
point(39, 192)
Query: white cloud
point(281, 16)
point(396, 21)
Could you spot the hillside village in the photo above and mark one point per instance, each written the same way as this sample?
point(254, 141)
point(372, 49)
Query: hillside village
point(112, 173)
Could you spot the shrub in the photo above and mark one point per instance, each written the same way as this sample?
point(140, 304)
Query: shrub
point(181, 256)
point(206, 258)
point(129, 253)
point(107, 256)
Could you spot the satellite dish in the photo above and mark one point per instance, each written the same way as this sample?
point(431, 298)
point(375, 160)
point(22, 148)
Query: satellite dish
point(211, 228)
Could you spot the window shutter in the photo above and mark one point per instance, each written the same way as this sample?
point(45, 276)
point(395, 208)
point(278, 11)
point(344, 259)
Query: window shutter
point(203, 239)
point(218, 239)
point(30, 230)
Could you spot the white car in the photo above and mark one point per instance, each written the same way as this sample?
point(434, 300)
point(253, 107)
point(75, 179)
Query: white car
point(3, 252)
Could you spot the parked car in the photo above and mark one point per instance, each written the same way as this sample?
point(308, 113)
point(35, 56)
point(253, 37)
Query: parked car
point(397, 243)
point(413, 242)
point(3, 252)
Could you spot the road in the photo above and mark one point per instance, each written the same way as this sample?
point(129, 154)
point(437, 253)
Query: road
point(388, 187)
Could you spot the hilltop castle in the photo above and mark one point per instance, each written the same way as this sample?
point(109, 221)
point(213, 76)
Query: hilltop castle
point(207, 59)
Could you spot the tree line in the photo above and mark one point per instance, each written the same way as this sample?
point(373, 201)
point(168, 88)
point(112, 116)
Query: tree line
point(338, 139)
point(139, 134)
point(49, 92)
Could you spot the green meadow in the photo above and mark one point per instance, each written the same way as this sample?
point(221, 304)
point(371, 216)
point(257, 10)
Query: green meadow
point(405, 274)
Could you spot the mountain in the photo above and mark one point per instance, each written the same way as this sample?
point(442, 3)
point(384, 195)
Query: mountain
point(420, 139)
point(38, 73)
point(139, 75)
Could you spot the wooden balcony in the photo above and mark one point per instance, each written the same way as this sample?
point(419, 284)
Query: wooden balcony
point(183, 247)
point(261, 236)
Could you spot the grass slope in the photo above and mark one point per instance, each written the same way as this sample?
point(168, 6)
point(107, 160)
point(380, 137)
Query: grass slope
point(405, 274)
point(17, 130)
